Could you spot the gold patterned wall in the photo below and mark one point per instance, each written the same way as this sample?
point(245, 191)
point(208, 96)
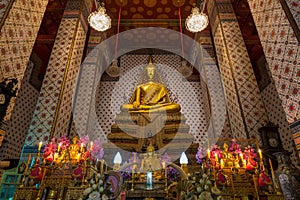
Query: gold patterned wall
point(17, 36)
point(20, 118)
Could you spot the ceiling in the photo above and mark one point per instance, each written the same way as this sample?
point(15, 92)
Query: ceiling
point(144, 13)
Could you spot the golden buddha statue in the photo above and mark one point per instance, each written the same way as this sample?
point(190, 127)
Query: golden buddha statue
point(150, 162)
point(151, 96)
point(74, 150)
point(227, 156)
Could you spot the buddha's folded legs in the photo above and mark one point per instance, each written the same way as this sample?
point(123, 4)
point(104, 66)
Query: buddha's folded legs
point(167, 107)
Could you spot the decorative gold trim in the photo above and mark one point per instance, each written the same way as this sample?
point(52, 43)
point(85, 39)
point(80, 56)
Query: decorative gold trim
point(8, 8)
point(66, 73)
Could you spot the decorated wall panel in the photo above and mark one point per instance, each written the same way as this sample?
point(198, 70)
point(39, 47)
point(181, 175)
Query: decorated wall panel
point(282, 52)
point(245, 106)
point(17, 38)
point(66, 103)
point(277, 116)
point(218, 109)
point(20, 119)
point(53, 111)
point(234, 112)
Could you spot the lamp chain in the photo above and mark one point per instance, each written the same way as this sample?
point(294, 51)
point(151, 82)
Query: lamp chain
point(203, 6)
point(118, 30)
point(180, 25)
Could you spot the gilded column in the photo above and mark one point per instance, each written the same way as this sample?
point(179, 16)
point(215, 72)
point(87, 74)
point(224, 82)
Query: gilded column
point(53, 111)
point(20, 21)
point(245, 108)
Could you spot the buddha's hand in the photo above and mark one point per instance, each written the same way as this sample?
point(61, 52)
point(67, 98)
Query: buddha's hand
point(136, 104)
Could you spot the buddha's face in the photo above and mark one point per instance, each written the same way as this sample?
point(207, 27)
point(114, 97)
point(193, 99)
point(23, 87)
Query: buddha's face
point(150, 153)
point(151, 73)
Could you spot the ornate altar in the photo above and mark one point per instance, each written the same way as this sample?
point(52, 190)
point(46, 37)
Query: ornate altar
point(80, 169)
point(68, 170)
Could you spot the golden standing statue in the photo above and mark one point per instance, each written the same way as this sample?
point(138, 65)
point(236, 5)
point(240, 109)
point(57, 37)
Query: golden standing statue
point(151, 96)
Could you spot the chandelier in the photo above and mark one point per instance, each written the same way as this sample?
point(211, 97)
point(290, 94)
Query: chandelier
point(99, 20)
point(196, 21)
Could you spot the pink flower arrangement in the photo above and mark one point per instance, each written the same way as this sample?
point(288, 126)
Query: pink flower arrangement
point(250, 152)
point(64, 142)
point(97, 151)
point(215, 150)
point(49, 150)
point(84, 140)
point(235, 147)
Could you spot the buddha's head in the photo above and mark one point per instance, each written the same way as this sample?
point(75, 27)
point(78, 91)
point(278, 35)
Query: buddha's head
point(150, 149)
point(150, 69)
point(225, 146)
point(75, 139)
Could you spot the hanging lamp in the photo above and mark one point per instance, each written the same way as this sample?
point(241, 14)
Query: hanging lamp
point(114, 70)
point(184, 69)
point(99, 20)
point(197, 21)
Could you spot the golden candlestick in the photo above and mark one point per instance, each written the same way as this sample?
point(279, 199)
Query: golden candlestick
point(40, 145)
point(39, 148)
point(255, 181)
point(260, 154)
point(221, 163)
point(276, 187)
point(25, 171)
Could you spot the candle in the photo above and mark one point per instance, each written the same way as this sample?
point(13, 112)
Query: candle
point(40, 145)
point(55, 157)
point(78, 157)
point(59, 146)
point(241, 155)
point(91, 146)
point(164, 165)
point(260, 154)
point(208, 153)
point(244, 163)
point(216, 157)
point(222, 163)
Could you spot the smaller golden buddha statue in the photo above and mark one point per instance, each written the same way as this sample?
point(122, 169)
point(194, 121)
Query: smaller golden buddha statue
point(227, 156)
point(74, 150)
point(150, 162)
point(151, 96)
